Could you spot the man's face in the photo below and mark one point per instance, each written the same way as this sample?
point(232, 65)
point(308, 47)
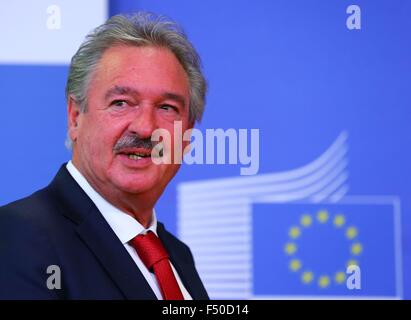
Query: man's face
point(134, 91)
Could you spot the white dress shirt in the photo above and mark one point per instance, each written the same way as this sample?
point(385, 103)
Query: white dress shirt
point(126, 228)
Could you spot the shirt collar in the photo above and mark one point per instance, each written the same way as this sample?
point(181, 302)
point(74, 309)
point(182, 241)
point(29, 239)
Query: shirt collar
point(123, 225)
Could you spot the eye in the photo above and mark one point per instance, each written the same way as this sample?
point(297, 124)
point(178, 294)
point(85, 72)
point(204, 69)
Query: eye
point(119, 103)
point(168, 107)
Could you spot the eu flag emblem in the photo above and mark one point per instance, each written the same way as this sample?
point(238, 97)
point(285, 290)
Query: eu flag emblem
point(304, 249)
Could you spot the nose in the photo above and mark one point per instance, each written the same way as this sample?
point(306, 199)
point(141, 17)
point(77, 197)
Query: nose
point(143, 123)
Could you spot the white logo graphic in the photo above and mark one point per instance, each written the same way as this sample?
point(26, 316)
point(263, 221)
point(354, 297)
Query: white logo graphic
point(214, 217)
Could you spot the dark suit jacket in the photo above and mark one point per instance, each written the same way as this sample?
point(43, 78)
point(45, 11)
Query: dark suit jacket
point(60, 225)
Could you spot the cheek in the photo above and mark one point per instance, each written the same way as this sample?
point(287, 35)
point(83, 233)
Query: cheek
point(98, 138)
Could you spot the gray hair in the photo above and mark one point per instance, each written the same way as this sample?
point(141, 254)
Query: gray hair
point(140, 29)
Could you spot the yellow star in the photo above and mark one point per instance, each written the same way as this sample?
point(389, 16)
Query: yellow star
point(306, 220)
point(307, 277)
point(294, 232)
point(290, 248)
point(295, 265)
point(352, 262)
point(351, 233)
point(339, 220)
point(322, 216)
point(324, 281)
point(340, 277)
point(356, 248)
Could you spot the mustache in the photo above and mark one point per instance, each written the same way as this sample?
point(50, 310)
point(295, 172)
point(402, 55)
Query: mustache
point(133, 141)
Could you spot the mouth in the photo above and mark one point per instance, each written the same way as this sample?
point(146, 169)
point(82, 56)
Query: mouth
point(139, 154)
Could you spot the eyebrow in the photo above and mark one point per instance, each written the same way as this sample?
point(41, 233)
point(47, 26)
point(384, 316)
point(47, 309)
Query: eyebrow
point(176, 97)
point(120, 90)
point(128, 90)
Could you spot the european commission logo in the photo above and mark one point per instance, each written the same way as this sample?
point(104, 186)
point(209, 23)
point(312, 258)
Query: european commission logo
point(294, 234)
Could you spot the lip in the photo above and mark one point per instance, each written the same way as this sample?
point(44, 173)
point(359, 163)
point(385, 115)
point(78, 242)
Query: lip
point(134, 164)
point(135, 150)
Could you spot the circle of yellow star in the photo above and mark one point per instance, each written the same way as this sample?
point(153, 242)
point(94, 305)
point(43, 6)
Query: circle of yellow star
point(352, 262)
point(295, 265)
point(307, 277)
point(351, 232)
point(290, 248)
point(294, 232)
point(324, 281)
point(339, 220)
point(339, 277)
point(356, 248)
point(322, 216)
point(306, 220)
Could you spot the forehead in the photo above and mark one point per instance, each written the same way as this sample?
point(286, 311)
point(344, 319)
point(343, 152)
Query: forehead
point(147, 69)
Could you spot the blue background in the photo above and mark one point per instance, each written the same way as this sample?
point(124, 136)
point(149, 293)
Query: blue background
point(290, 68)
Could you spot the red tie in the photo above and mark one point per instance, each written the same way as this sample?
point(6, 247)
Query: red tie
point(155, 257)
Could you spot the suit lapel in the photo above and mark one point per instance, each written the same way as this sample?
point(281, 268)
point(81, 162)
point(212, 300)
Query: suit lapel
point(183, 265)
point(115, 259)
point(96, 233)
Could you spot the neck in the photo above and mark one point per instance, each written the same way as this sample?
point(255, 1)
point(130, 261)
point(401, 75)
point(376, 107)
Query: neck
point(139, 206)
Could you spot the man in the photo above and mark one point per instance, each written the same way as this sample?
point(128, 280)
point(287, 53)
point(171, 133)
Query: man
point(93, 233)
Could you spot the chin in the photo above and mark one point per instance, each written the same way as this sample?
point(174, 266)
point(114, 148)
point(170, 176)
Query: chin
point(136, 182)
point(136, 185)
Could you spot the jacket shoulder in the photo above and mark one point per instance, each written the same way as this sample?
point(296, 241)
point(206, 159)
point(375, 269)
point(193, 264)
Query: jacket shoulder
point(24, 207)
point(25, 248)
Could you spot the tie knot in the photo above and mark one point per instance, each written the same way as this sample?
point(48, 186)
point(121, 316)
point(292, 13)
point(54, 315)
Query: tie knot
point(150, 249)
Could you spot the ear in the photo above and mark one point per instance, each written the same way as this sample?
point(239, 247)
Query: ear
point(73, 113)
